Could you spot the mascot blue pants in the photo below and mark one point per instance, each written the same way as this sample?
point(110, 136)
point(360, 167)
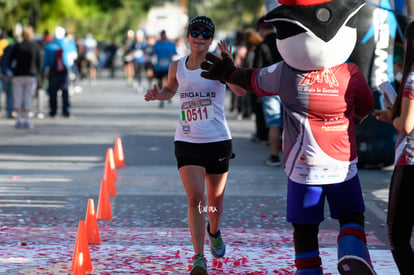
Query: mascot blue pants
point(305, 210)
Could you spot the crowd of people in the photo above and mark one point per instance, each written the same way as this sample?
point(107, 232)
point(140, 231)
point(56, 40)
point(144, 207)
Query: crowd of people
point(31, 57)
point(146, 58)
point(37, 68)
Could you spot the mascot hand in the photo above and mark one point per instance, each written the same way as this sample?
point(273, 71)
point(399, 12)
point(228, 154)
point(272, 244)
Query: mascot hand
point(216, 68)
point(224, 70)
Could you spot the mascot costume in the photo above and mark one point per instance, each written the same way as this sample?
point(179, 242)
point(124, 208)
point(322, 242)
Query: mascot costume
point(323, 98)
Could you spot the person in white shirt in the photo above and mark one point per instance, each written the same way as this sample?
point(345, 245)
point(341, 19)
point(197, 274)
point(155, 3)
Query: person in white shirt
point(203, 143)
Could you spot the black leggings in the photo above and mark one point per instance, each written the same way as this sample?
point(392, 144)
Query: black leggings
point(305, 236)
point(400, 218)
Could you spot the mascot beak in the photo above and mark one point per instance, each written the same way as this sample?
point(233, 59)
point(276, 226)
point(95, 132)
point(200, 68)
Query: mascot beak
point(322, 18)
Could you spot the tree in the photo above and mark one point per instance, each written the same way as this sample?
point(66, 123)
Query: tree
point(105, 18)
point(246, 12)
point(110, 19)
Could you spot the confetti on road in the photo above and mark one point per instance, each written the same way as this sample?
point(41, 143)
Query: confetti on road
point(149, 250)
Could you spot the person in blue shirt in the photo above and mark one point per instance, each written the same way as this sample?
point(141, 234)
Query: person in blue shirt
point(57, 70)
point(6, 78)
point(164, 50)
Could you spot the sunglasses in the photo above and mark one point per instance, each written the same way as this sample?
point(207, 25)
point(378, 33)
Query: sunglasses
point(206, 34)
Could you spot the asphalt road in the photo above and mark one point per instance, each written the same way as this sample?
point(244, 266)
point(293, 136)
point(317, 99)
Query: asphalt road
point(48, 174)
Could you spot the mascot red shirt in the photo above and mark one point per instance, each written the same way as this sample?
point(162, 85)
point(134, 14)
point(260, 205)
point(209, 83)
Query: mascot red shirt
point(323, 97)
point(319, 142)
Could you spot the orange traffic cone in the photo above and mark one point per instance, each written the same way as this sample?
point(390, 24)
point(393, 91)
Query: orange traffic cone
point(81, 260)
point(92, 224)
point(110, 185)
point(119, 153)
point(104, 211)
point(79, 270)
point(111, 162)
point(110, 172)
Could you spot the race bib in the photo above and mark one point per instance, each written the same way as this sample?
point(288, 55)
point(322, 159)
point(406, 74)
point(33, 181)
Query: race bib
point(197, 111)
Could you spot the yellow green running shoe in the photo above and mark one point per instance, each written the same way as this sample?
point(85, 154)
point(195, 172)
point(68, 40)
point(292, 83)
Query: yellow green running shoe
point(199, 265)
point(217, 247)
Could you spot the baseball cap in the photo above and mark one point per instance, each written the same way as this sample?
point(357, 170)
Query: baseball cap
point(60, 32)
point(201, 21)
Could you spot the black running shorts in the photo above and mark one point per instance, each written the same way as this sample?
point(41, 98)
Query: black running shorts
point(213, 156)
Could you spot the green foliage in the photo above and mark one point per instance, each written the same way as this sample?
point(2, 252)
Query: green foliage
point(13, 11)
point(103, 5)
point(110, 19)
point(244, 12)
point(6, 6)
point(62, 12)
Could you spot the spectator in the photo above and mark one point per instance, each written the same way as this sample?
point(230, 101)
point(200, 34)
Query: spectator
point(56, 68)
point(267, 54)
point(47, 37)
point(400, 113)
point(40, 91)
point(3, 45)
point(26, 64)
point(250, 102)
point(91, 48)
point(182, 48)
point(6, 78)
point(138, 48)
point(128, 56)
point(239, 53)
point(3, 42)
point(151, 60)
point(164, 50)
point(110, 51)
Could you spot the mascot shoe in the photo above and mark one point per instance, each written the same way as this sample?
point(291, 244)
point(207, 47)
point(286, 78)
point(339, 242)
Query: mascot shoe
point(353, 255)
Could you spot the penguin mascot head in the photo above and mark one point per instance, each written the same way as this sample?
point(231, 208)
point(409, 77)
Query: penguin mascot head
point(315, 34)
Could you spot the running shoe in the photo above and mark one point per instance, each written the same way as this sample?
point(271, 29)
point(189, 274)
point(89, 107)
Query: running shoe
point(272, 161)
point(27, 125)
point(199, 265)
point(354, 265)
point(18, 124)
point(217, 246)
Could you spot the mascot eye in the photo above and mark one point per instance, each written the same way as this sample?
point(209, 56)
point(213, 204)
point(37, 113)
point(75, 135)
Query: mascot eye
point(323, 15)
point(287, 29)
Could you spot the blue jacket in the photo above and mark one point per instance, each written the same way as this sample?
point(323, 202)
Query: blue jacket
point(4, 61)
point(51, 50)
